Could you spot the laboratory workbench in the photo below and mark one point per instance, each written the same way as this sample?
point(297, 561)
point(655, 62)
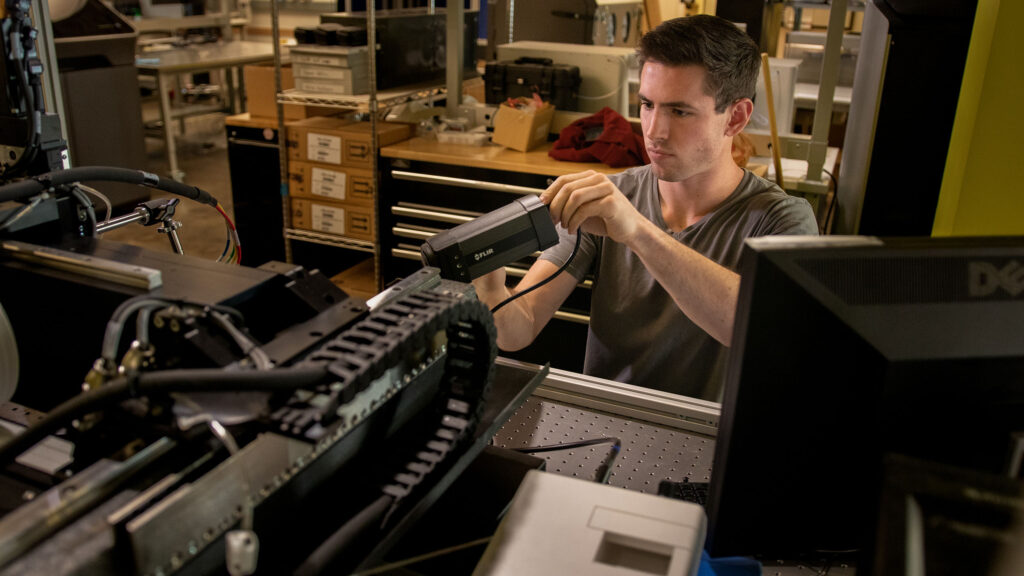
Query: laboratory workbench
point(490, 156)
point(167, 64)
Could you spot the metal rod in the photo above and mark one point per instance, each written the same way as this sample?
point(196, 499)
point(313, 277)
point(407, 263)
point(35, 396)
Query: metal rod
point(282, 151)
point(430, 215)
point(172, 235)
point(826, 91)
point(138, 215)
point(454, 46)
point(463, 183)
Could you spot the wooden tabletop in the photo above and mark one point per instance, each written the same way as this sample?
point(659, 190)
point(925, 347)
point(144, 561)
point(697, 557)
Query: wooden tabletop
point(490, 156)
point(497, 157)
point(247, 120)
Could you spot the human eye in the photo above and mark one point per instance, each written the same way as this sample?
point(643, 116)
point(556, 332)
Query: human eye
point(646, 104)
point(680, 113)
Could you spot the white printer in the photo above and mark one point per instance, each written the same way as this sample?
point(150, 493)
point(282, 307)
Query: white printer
point(559, 525)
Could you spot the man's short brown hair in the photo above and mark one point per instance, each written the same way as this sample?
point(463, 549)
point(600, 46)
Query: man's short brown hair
point(730, 57)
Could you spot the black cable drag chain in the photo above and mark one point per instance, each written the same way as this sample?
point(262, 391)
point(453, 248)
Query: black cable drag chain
point(387, 338)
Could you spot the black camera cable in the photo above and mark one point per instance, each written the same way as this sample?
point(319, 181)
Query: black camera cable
point(575, 249)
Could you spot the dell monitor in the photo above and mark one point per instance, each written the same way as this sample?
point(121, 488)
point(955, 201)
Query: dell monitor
point(849, 349)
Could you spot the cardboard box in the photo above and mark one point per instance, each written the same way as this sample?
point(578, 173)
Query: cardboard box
point(476, 88)
point(340, 142)
point(522, 129)
point(336, 184)
point(261, 98)
point(358, 281)
point(333, 218)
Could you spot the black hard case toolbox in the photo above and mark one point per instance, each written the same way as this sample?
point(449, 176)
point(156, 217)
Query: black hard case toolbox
point(411, 44)
point(558, 84)
point(331, 34)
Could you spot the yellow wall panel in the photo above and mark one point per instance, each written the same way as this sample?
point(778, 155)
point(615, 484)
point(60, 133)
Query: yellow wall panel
point(983, 184)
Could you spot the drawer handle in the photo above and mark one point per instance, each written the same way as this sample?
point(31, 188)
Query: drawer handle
point(572, 317)
point(359, 151)
point(514, 272)
point(463, 183)
point(429, 215)
point(410, 233)
point(255, 144)
point(406, 254)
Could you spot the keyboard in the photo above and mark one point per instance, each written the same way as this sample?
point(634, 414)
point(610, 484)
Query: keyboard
point(696, 492)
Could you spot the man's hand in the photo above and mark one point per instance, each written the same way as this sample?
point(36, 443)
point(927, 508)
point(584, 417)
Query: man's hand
point(705, 291)
point(590, 200)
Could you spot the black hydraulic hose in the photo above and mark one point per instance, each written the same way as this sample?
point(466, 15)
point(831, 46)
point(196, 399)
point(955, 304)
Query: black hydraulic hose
point(331, 549)
point(32, 186)
point(197, 380)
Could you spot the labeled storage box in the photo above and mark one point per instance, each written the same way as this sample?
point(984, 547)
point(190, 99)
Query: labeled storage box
point(333, 218)
point(522, 128)
point(314, 72)
point(261, 97)
point(339, 141)
point(346, 85)
point(335, 70)
point(334, 183)
point(354, 57)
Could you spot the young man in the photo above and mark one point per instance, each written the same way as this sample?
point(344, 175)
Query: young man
point(662, 240)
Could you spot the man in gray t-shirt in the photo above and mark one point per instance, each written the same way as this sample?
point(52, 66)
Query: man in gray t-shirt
point(662, 240)
point(637, 333)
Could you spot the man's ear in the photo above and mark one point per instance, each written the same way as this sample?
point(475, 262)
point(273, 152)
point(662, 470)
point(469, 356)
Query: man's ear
point(739, 115)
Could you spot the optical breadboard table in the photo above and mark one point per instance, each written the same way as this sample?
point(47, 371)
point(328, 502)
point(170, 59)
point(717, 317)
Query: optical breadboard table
point(663, 437)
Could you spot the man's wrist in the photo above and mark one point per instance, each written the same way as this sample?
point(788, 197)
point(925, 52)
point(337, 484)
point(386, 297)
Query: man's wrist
point(646, 232)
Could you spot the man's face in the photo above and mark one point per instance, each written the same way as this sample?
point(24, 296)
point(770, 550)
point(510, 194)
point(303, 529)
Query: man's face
point(683, 133)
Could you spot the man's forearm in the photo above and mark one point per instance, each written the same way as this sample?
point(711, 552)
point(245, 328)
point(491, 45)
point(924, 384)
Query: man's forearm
point(522, 319)
point(704, 290)
point(514, 321)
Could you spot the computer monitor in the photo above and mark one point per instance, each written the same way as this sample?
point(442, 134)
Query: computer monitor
point(846, 349)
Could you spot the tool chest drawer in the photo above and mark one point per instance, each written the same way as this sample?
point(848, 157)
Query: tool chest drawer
point(419, 199)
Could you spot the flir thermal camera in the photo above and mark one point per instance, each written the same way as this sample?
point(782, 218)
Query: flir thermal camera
point(495, 239)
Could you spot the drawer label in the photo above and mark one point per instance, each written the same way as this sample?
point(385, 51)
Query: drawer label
point(328, 183)
point(328, 219)
point(323, 148)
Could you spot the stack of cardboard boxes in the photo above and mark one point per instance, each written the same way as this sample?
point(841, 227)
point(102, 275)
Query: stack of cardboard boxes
point(331, 186)
point(330, 178)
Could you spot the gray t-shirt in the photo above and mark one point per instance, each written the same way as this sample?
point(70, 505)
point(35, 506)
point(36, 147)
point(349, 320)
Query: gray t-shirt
point(637, 333)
